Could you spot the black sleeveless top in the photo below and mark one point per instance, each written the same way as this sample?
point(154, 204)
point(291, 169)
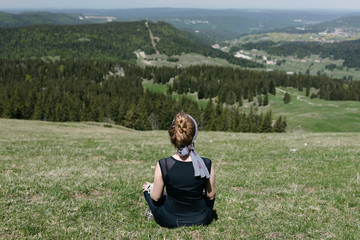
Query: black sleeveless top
point(185, 201)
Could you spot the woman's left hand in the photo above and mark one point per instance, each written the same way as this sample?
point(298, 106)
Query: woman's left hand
point(145, 186)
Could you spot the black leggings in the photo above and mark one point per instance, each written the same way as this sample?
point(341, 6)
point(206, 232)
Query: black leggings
point(157, 209)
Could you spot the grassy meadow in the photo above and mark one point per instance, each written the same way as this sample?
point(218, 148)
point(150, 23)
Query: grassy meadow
point(184, 60)
point(302, 113)
point(314, 64)
point(315, 115)
point(83, 181)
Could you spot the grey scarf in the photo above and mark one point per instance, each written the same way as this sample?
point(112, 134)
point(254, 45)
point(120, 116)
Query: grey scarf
point(200, 168)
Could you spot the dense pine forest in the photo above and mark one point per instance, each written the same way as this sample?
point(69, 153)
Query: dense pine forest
point(89, 90)
point(232, 85)
point(33, 18)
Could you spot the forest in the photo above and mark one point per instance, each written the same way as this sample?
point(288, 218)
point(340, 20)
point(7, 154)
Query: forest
point(107, 91)
point(115, 41)
point(33, 18)
point(91, 90)
point(347, 50)
point(232, 85)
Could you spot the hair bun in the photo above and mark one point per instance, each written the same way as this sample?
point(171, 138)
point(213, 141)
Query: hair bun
point(182, 130)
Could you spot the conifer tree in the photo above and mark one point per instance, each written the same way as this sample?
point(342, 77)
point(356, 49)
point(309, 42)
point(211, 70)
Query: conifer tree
point(287, 98)
point(266, 100)
point(272, 88)
point(259, 99)
point(266, 123)
point(307, 91)
point(208, 115)
point(280, 125)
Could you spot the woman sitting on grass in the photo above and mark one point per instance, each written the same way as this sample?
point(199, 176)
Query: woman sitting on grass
point(189, 181)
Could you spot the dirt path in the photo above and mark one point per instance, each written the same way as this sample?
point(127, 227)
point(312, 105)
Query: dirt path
point(152, 38)
point(301, 98)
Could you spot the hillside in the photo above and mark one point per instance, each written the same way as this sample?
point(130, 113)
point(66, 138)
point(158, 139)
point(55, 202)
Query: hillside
point(83, 181)
point(344, 22)
point(349, 51)
point(110, 41)
point(224, 24)
point(349, 25)
point(35, 18)
point(211, 24)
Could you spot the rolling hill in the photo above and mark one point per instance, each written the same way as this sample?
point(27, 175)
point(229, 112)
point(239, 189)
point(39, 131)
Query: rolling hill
point(110, 41)
point(347, 24)
point(213, 24)
point(34, 18)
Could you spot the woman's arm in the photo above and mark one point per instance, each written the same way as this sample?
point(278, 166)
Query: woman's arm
point(158, 188)
point(157, 191)
point(210, 185)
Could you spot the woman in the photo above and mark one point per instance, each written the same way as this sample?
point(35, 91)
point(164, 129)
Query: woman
point(189, 181)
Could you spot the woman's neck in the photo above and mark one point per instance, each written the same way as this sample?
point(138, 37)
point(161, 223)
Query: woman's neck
point(177, 157)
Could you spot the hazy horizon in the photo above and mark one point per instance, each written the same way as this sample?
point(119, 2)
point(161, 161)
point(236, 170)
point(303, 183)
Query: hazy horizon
point(345, 5)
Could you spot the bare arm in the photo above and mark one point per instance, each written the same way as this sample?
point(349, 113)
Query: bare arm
point(157, 190)
point(210, 185)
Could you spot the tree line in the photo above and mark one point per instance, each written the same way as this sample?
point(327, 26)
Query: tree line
point(233, 85)
point(90, 90)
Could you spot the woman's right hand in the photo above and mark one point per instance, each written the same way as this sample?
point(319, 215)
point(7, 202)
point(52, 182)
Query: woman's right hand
point(145, 186)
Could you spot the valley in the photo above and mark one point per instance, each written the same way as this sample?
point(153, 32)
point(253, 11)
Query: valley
point(151, 45)
point(87, 97)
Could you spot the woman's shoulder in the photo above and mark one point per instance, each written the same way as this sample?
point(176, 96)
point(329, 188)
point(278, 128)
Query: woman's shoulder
point(206, 159)
point(163, 160)
point(166, 162)
point(207, 162)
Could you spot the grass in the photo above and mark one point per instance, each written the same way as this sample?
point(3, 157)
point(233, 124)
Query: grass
point(313, 63)
point(185, 60)
point(162, 88)
point(302, 113)
point(315, 115)
point(293, 37)
point(154, 87)
point(83, 181)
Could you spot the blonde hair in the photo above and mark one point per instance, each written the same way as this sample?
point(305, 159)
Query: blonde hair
point(182, 130)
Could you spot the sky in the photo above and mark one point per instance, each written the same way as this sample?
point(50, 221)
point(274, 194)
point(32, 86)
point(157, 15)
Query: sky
point(210, 4)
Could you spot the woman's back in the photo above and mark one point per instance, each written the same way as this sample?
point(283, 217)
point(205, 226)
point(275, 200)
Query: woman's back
point(185, 200)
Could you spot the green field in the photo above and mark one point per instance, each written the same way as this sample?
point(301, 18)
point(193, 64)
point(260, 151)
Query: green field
point(83, 181)
point(302, 113)
point(185, 60)
point(315, 115)
point(161, 88)
point(293, 37)
point(313, 64)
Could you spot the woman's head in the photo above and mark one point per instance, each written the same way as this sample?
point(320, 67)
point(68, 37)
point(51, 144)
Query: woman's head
point(182, 130)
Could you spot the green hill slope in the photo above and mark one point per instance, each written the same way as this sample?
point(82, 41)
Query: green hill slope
point(315, 115)
point(111, 41)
